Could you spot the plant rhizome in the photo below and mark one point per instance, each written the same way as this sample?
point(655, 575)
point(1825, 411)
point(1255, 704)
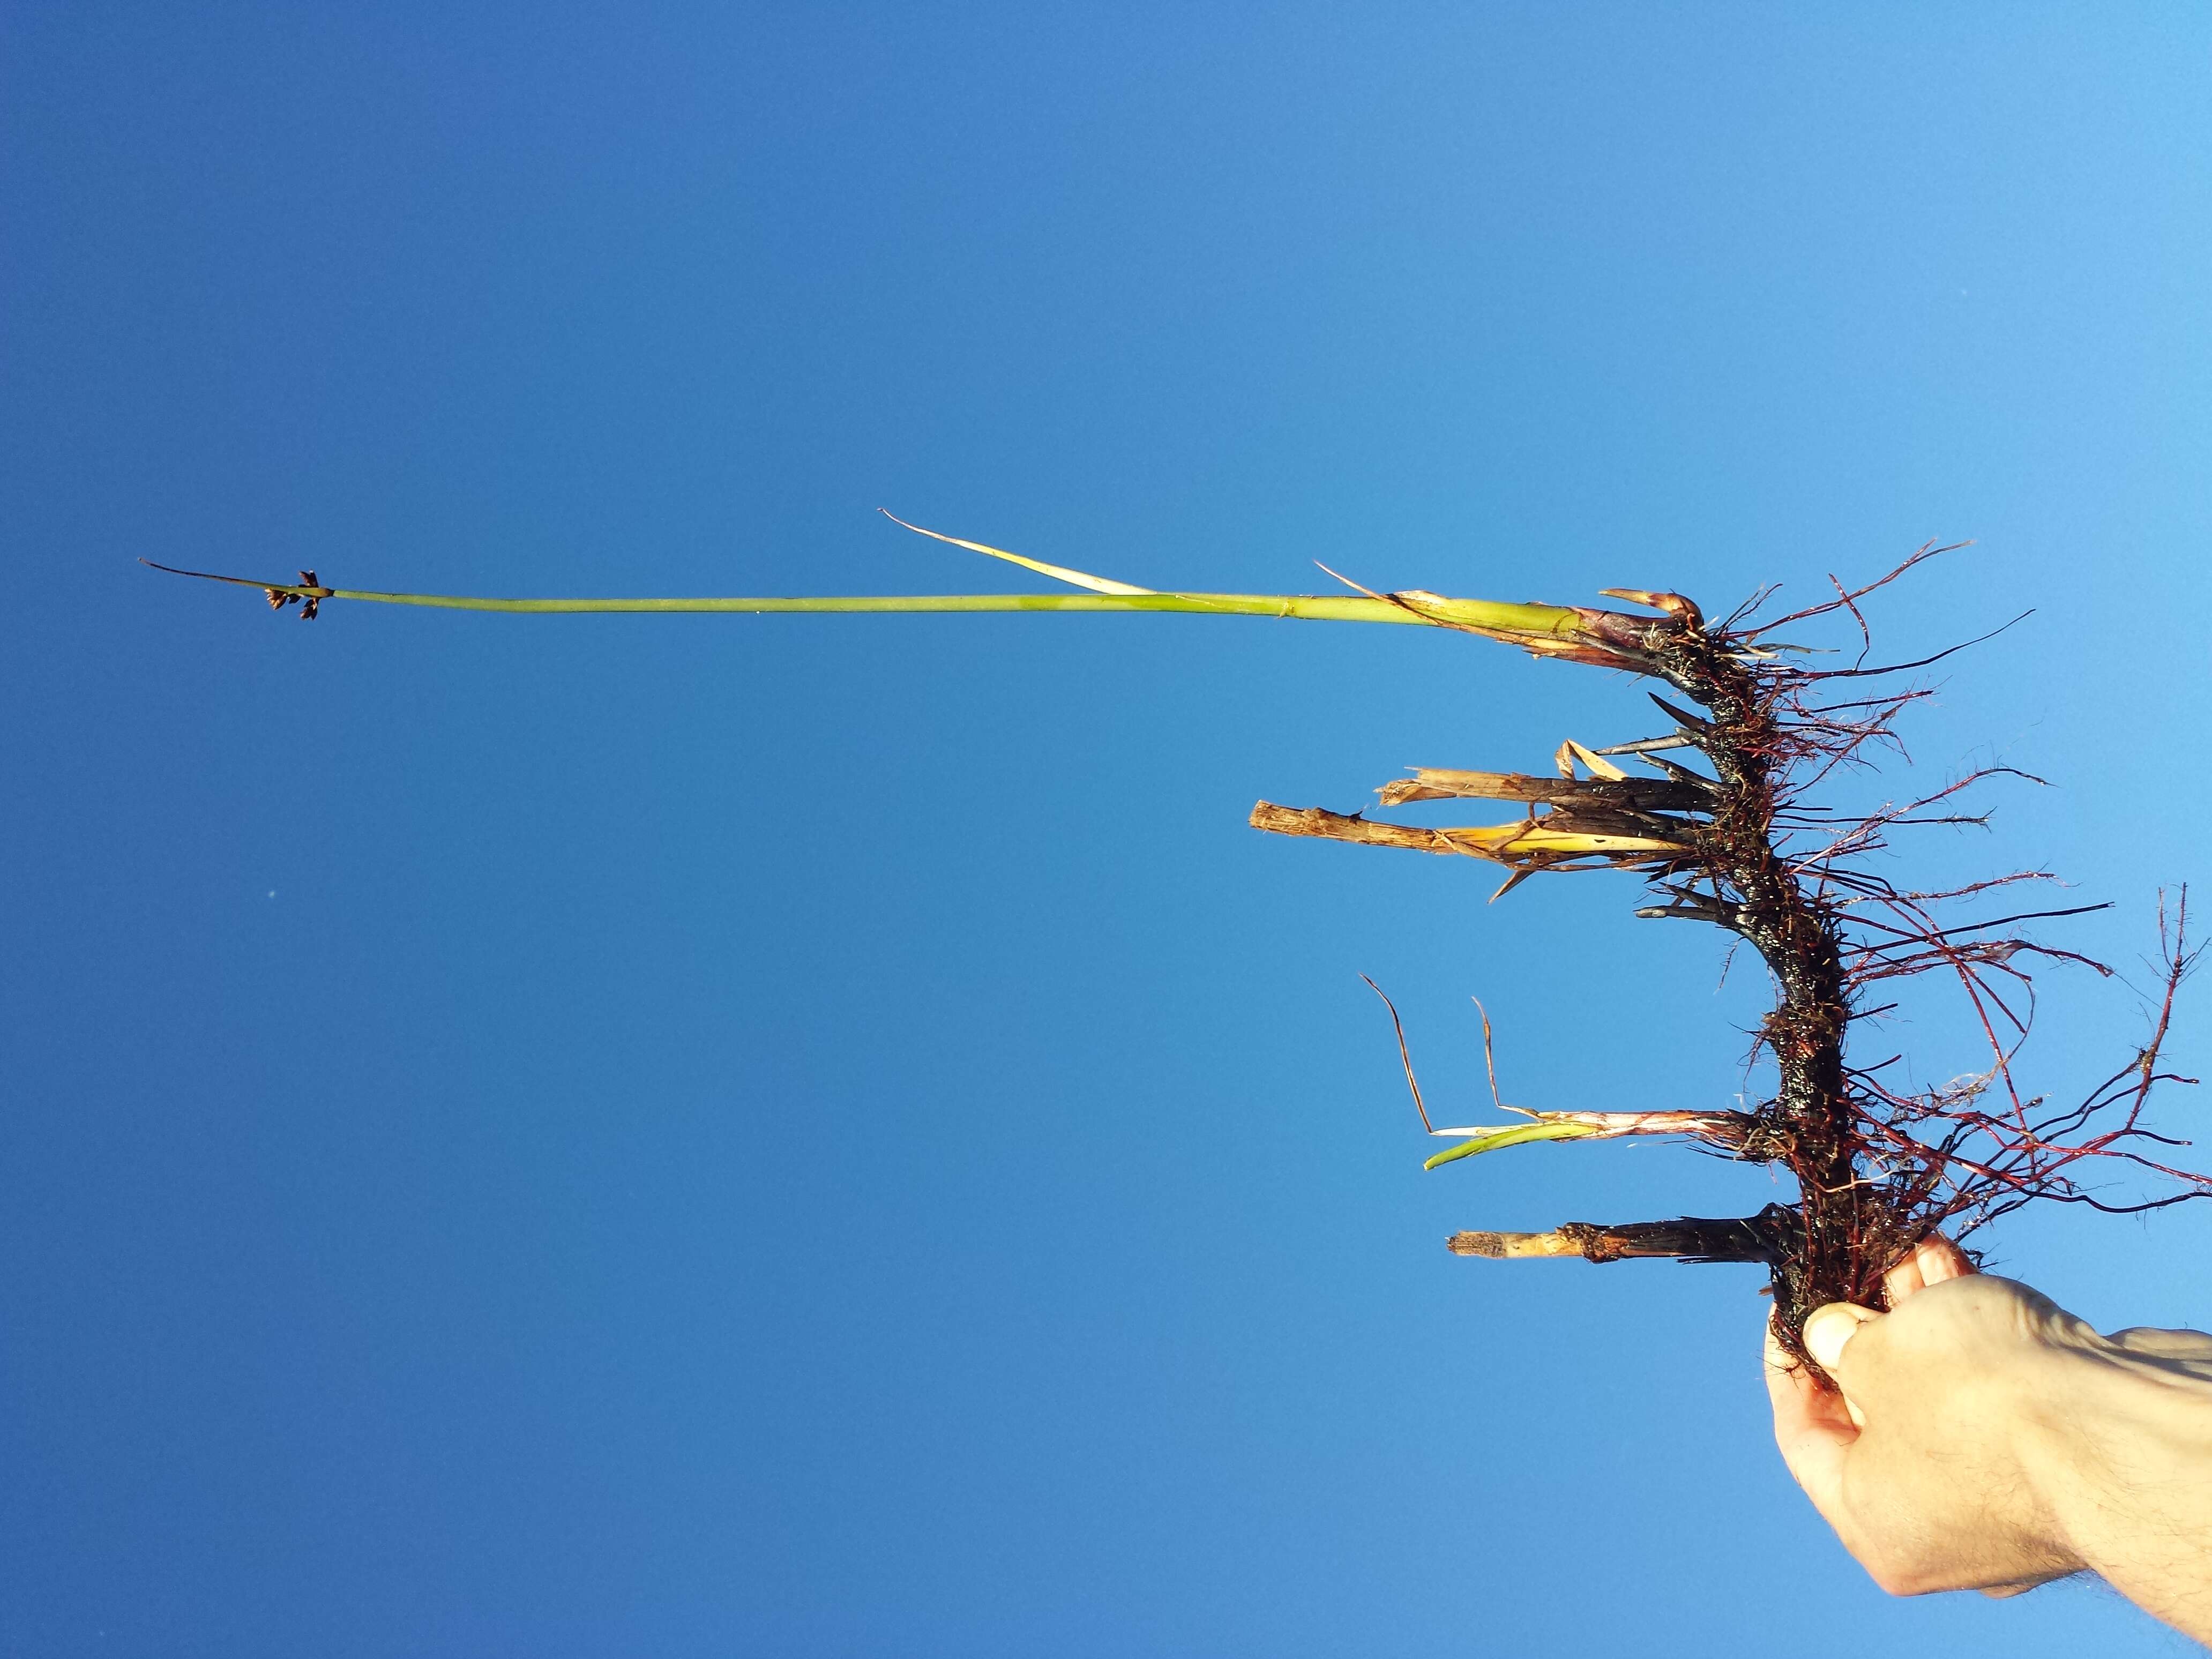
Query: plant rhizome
point(1740, 845)
point(1737, 843)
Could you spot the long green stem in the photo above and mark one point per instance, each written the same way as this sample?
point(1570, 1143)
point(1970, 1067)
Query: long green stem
point(1489, 615)
point(1517, 618)
point(1594, 636)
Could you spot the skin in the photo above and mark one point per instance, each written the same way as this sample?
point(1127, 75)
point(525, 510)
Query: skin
point(1987, 1439)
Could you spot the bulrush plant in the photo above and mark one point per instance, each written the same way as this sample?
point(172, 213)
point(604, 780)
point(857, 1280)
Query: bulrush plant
point(1718, 820)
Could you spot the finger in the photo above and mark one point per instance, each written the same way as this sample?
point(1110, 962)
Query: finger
point(1829, 1330)
point(1829, 1333)
point(2021, 1586)
point(2164, 1344)
point(1811, 1427)
point(1931, 1261)
point(1939, 1259)
point(1785, 1373)
point(1904, 1278)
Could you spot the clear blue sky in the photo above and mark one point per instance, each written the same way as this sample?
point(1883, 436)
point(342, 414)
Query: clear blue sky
point(829, 1137)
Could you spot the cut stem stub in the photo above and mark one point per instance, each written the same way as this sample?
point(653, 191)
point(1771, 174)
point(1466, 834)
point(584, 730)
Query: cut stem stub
point(1768, 1237)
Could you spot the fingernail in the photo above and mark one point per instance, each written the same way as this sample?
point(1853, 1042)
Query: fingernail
point(1826, 1331)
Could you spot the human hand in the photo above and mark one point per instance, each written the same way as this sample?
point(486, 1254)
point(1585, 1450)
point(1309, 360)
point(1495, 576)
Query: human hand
point(1920, 1463)
point(1985, 1438)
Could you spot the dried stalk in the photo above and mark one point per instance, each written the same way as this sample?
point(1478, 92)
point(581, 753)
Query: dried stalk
point(1770, 1236)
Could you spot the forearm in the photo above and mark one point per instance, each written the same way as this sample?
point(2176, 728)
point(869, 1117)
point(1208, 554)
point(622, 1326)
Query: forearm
point(2117, 1444)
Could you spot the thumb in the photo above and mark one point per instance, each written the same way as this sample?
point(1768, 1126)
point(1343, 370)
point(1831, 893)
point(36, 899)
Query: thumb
point(1829, 1333)
point(1828, 1330)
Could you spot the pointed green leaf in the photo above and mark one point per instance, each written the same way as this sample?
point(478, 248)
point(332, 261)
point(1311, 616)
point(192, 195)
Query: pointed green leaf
point(1519, 1134)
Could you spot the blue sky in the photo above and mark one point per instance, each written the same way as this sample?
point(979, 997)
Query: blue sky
point(827, 1136)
